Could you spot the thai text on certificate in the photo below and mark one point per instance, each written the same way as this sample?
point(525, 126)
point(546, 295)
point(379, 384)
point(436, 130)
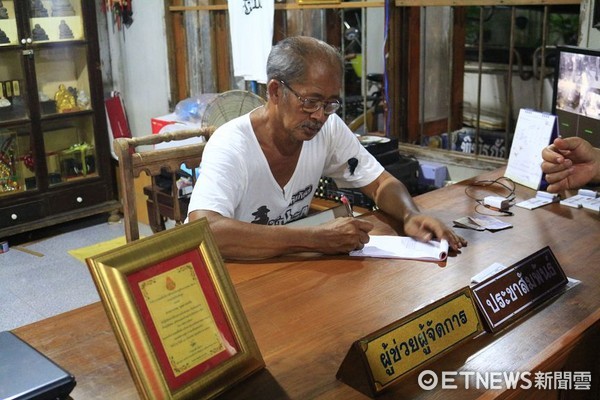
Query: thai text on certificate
point(182, 317)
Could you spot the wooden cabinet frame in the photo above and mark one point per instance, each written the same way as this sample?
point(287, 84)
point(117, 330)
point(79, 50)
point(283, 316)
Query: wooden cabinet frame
point(49, 203)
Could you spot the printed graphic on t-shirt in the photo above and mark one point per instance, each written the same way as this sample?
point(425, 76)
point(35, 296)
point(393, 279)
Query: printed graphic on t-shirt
point(261, 215)
point(250, 5)
point(352, 163)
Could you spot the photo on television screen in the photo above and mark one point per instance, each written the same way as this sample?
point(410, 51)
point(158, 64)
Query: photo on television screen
point(577, 93)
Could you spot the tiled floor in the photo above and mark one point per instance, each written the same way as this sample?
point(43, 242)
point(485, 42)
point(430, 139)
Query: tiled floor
point(39, 279)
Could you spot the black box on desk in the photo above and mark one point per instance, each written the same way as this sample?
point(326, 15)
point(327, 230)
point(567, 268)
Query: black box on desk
point(383, 147)
point(388, 155)
point(406, 170)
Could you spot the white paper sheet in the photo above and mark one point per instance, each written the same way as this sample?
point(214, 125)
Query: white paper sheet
point(532, 133)
point(383, 246)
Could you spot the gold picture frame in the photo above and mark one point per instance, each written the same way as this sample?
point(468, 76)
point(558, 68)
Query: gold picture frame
point(176, 315)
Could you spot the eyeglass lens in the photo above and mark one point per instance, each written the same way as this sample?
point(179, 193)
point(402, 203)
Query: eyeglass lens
point(329, 107)
point(313, 105)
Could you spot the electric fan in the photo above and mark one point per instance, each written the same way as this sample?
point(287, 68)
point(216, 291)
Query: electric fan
point(229, 105)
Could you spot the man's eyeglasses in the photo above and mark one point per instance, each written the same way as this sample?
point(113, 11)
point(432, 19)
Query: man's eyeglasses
point(313, 105)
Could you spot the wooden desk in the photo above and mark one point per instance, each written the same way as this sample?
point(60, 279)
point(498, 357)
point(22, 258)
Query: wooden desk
point(306, 312)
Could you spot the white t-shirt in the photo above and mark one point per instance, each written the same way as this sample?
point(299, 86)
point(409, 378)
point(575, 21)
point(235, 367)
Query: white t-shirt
point(236, 182)
point(251, 33)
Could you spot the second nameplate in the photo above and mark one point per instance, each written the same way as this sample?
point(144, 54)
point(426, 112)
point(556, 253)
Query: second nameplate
point(380, 359)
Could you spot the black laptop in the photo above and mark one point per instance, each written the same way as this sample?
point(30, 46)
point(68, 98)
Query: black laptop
point(25, 373)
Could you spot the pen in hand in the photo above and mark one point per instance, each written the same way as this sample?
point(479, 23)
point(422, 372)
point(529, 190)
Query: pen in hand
point(348, 206)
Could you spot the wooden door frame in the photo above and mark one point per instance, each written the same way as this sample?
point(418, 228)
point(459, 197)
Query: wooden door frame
point(403, 70)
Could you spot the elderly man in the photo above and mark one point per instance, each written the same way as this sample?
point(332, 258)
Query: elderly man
point(260, 171)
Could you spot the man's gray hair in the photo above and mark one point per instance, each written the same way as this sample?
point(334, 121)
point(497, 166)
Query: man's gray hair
point(293, 56)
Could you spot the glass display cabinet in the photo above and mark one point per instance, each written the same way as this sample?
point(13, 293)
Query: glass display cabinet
point(55, 161)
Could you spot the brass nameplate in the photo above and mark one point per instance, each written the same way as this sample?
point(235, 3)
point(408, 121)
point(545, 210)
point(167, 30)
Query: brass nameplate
point(383, 357)
point(512, 292)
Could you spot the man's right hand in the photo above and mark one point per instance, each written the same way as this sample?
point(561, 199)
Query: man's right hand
point(341, 235)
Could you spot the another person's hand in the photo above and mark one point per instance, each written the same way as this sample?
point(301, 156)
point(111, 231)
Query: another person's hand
point(341, 235)
point(570, 163)
point(425, 228)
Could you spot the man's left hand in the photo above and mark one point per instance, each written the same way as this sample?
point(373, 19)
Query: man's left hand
point(425, 228)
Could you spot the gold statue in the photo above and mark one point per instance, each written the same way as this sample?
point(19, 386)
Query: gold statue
point(65, 101)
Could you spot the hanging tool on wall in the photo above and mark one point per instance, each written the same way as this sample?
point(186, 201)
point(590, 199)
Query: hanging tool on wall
point(122, 11)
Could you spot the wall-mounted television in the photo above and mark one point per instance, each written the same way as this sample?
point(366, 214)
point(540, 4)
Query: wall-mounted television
point(576, 101)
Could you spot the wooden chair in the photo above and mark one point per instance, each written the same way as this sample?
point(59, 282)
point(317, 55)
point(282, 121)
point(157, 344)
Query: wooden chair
point(156, 163)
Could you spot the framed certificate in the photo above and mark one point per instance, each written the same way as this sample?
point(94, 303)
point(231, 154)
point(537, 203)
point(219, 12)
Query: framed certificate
point(175, 314)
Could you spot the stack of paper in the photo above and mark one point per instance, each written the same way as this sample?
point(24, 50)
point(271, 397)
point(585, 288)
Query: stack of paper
point(584, 198)
point(382, 246)
point(541, 199)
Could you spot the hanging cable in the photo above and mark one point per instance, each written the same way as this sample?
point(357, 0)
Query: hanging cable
point(505, 183)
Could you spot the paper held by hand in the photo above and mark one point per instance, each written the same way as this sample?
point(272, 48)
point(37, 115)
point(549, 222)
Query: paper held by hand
point(533, 132)
point(383, 246)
